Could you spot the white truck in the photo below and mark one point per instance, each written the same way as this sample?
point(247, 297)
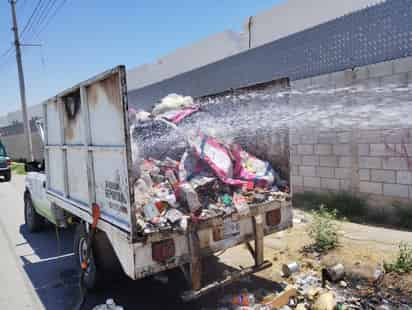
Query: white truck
point(87, 180)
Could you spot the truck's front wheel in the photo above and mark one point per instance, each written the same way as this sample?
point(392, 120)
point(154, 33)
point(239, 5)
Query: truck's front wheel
point(32, 220)
point(91, 275)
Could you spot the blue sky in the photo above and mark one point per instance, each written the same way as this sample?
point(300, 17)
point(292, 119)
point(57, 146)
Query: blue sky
point(90, 36)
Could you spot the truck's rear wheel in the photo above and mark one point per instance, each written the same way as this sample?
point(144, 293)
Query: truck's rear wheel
point(91, 274)
point(33, 221)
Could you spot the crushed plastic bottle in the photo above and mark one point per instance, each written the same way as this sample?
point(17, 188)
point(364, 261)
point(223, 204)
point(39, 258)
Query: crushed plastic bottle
point(244, 299)
point(109, 305)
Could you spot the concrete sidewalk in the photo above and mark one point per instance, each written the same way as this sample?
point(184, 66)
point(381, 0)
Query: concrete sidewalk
point(15, 292)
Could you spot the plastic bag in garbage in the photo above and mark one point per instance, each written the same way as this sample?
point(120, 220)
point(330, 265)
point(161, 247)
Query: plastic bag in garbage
point(216, 156)
point(191, 166)
point(249, 168)
point(172, 102)
point(176, 116)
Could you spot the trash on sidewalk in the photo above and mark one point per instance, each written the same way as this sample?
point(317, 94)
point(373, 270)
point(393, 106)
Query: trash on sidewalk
point(325, 301)
point(283, 298)
point(333, 274)
point(109, 305)
point(303, 291)
point(289, 269)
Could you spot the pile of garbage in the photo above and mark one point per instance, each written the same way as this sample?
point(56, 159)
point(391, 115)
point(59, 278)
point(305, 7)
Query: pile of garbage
point(329, 290)
point(209, 177)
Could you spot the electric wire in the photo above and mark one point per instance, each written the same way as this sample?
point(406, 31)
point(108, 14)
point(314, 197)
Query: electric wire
point(6, 52)
point(29, 21)
point(47, 23)
point(42, 15)
point(6, 58)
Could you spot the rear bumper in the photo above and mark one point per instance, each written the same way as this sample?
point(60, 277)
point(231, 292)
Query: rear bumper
point(5, 170)
point(206, 235)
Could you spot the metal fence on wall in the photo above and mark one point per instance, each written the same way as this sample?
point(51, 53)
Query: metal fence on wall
point(374, 34)
point(17, 128)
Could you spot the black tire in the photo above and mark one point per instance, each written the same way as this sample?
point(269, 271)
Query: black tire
point(7, 176)
point(33, 221)
point(91, 276)
point(104, 255)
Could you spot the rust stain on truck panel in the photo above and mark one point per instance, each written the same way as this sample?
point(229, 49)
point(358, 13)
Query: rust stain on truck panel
point(108, 88)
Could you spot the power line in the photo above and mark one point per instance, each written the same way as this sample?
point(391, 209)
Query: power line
point(46, 24)
point(7, 60)
point(6, 52)
point(29, 21)
point(47, 9)
point(42, 13)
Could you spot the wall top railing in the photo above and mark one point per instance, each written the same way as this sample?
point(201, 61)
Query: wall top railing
point(371, 35)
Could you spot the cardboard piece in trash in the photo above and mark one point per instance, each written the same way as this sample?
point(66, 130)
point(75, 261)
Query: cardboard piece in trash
point(283, 298)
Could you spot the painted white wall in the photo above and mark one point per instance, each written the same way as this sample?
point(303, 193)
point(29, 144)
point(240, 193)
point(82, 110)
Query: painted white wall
point(201, 53)
point(293, 16)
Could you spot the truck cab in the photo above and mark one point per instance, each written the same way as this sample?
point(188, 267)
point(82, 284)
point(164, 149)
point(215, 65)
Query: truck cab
point(5, 164)
point(37, 208)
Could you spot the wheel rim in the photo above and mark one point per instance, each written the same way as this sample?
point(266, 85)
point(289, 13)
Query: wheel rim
point(82, 249)
point(29, 212)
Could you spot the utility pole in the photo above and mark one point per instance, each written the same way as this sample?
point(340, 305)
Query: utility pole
point(27, 129)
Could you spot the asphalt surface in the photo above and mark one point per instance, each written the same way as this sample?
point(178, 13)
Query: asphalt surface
point(36, 273)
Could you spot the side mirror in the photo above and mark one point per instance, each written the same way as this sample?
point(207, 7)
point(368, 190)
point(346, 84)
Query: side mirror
point(34, 166)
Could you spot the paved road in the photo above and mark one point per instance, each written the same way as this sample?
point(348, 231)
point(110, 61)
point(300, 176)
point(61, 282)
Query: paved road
point(38, 276)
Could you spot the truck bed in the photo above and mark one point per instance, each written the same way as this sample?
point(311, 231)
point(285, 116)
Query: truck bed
point(90, 160)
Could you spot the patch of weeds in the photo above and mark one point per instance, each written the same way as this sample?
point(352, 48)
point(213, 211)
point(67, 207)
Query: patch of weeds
point(378, 216)
point(403, 261)
point(18, 168)
point(347, 204)
point(309, 200)
point(324, 229)
point(403, 212)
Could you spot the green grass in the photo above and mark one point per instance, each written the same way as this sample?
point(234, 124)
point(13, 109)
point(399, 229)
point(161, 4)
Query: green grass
point(324, 230)
point(17, 168)
point(403, 212)
point(403, 260)
point(347, 205)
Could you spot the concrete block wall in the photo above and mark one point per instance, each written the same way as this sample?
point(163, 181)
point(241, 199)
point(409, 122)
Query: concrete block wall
point(322, 162)
point(376, 162)
point(373, 162)
point(396, 72)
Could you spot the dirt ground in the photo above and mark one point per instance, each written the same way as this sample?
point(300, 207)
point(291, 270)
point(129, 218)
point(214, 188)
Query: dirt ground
point(362, 250)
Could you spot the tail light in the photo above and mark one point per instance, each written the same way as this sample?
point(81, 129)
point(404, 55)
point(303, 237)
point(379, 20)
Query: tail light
point(273, 217)
point(163, 250)
point(8, 162)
